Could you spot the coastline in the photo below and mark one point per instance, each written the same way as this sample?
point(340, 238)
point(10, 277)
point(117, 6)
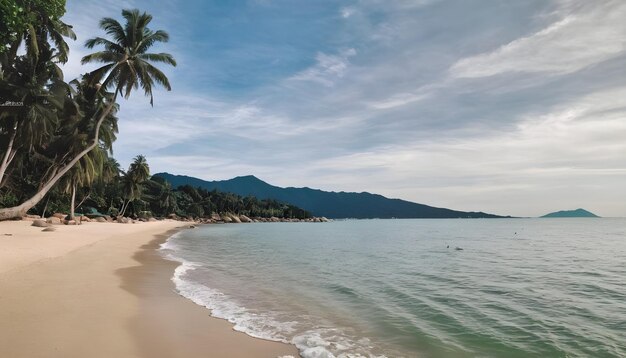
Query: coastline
point(102, 290)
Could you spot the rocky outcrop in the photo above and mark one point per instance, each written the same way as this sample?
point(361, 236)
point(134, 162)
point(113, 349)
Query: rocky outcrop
point(54, 220)
point(40, 223)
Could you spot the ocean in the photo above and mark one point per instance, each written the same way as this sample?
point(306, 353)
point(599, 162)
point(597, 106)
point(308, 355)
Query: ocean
point(401, 288)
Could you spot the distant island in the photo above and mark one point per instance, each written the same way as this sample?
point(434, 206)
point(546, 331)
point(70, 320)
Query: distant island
point(323, 203)
point(578, 213)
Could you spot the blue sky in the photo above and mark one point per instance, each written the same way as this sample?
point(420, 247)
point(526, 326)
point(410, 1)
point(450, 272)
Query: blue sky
point(510, 107)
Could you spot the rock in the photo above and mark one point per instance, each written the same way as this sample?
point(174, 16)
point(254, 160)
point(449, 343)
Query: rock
point(236, 219)
point(122, 220)
point(59, 215)
point(48, 229)
point(216, 217)
point(274, 219)
point(70, 222)
point(152, 219)
point(54, 220)
point(227, 219)
point(85, 219)
point(100, 219)
point(28, 216)
point(244, 219)
point(324, 219)
point(39, 223)
point(172, 216)
point(192, 226)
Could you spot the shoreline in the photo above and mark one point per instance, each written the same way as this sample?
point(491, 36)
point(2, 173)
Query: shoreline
point(152, 281)
point(103, 290)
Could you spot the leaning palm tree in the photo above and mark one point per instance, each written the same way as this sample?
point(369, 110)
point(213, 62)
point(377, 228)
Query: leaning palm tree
point(83, 174)
point(127, 65)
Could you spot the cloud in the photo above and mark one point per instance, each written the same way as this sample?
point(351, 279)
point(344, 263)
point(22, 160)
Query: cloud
point(328, 68)
point(347, 11)
point(398, 100)
point(589, 35)
point(576, 147)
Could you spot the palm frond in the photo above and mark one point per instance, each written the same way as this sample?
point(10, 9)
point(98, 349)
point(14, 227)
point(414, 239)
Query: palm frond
point(113, 28)
point(158, 57)
point(108, 44)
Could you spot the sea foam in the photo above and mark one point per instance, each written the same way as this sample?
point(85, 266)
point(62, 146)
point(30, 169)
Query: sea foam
point(314, 343)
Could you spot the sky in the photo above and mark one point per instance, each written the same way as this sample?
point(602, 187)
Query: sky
point(508, 107)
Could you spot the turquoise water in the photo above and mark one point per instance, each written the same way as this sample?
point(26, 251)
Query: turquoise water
point(369, 288)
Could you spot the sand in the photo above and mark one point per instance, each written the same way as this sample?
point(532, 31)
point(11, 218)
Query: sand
point(101, 290)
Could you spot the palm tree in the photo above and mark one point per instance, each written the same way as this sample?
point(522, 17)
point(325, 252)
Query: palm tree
point(26, 78)
point(84, 173)
point(127, 66)
point(137, 174)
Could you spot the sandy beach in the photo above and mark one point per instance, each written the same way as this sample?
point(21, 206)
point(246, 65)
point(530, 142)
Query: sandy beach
point(101, 290)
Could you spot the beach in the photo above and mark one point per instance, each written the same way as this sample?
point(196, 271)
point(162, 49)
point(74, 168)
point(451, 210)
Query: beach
point(102, 290)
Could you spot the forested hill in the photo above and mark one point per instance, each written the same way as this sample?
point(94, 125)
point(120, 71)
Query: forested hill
point(324, 203)
point(578, 213)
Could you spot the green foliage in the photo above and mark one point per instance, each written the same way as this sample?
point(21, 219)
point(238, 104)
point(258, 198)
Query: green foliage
point(195, 210)
point(16, 16)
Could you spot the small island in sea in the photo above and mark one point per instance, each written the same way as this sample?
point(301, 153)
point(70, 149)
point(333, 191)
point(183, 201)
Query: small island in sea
point(578, 213)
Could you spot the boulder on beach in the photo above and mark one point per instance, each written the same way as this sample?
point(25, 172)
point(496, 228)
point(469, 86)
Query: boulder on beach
point(54, 220)
point(227, 219)
point(235, 219)
point(100, 219)
point(244, 219)
point(48, 229)
point(59, 215)
point(40, 223)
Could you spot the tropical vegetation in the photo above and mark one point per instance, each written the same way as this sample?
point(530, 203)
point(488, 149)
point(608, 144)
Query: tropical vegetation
point(54, 133)
point(56, 136)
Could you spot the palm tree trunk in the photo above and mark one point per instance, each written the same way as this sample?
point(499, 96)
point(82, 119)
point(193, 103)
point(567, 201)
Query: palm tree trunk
point(72, 207)
point(8, 157)
point(125, 207)
point(84, 199)
point(20, 210)
point(45, 208)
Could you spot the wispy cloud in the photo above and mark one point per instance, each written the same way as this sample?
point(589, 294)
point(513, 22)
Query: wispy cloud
point(589, 35)
point(327, 69)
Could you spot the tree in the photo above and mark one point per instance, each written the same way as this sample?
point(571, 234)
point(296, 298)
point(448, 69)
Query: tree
point(137, 174)
point(127, 66)
point(84, 173)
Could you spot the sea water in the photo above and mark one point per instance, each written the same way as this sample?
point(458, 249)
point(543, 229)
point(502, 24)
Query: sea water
point(401, 288)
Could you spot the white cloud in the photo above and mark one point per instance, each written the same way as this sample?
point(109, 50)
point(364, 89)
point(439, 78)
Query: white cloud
point(328, 68)
point(587, 36)
point(398, 100)
point(347, 11)
point(563, 158)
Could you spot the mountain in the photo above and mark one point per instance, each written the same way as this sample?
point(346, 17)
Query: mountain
point(578, 213)
point(324, 203)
